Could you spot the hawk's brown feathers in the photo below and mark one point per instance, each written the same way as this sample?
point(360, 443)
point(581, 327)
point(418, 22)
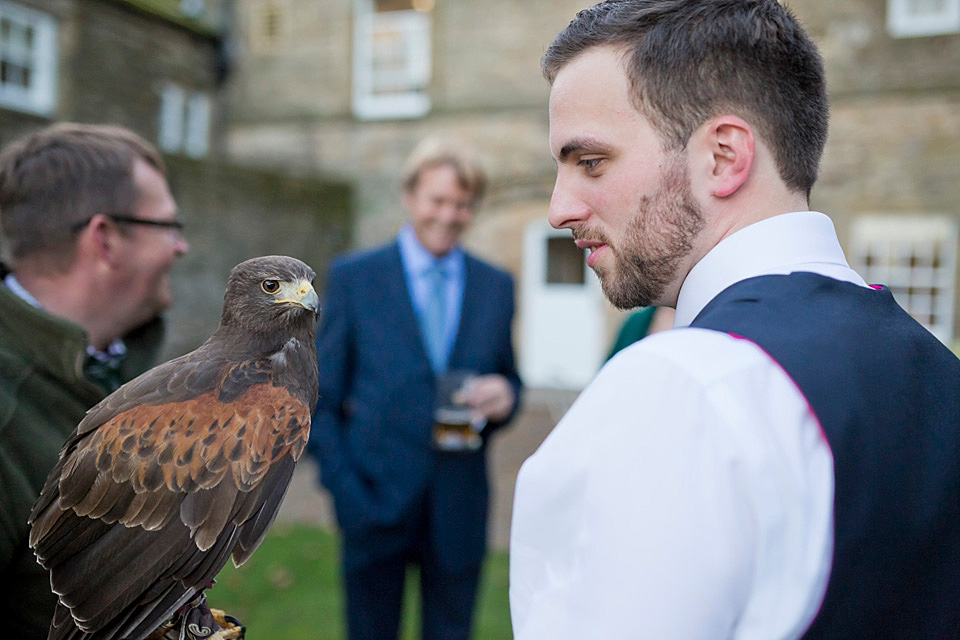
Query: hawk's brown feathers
point(183, 466)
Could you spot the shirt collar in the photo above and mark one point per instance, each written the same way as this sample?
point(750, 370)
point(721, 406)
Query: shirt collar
point(16, 288)
point(418, 260)
point(783, 244)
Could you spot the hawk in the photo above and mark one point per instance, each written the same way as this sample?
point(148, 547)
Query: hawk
point(183, 466)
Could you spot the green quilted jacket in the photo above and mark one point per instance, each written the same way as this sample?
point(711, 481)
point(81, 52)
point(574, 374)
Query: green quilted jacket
point(43, 395)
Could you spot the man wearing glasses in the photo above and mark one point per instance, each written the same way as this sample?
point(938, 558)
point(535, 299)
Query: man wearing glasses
point(89, 233)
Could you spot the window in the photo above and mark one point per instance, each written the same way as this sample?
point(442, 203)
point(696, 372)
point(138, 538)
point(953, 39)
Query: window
point(184, 122)
point(565, 261)
point(170, 129)
point(192, 8)
point(906, 18)
point(916, 257)
point(28, 58)
point(197, 139)
point(391, 58)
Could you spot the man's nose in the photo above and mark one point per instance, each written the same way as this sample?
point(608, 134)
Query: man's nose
point(180, 244)
point(448, 211)
point(454, 212)
point(566, 207)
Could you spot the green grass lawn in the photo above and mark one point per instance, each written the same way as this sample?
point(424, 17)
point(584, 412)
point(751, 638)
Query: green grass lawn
point(290, 590)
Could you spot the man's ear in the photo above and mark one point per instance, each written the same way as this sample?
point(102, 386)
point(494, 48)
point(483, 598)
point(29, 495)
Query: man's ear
point(732, 148)
point(100, 238)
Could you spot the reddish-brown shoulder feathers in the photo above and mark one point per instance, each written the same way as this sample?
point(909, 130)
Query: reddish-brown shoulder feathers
point(182, 467)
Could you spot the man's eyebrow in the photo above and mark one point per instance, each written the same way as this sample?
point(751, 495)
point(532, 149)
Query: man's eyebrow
point(578, 145)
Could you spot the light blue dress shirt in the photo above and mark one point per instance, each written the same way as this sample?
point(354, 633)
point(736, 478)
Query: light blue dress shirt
point(416, 263)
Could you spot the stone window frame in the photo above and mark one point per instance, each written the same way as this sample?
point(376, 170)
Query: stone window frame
point(183, 124)
point(916, 257)
point(906, 18)
point(392, 61)
point(28, 59)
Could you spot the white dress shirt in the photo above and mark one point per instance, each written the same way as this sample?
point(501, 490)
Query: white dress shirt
point(688, 491)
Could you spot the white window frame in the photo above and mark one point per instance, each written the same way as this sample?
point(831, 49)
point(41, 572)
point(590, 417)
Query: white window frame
point(193, 8)
point(170, 125)
point(905, 21)
point(410, 30)
point(913, 256)
point(184, 121)
point(40, 96)
point(196, 140)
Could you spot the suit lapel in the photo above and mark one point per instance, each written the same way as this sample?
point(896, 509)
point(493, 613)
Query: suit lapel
point(470, 309)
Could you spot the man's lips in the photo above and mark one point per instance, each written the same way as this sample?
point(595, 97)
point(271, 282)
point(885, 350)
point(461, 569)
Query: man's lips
point(595, 247)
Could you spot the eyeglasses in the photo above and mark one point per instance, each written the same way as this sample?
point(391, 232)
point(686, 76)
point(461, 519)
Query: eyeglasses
point(163, 224)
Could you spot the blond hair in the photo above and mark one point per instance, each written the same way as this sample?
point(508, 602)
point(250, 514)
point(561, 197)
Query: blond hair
point(438, 151)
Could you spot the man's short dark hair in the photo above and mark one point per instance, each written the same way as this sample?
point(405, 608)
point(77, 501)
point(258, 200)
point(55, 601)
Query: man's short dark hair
point(59, 177)
point(691, 60)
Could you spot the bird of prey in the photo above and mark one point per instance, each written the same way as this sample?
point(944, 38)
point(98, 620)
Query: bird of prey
point(183, 466)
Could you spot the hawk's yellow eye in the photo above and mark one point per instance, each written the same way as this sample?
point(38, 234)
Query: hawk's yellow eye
point(270, 286)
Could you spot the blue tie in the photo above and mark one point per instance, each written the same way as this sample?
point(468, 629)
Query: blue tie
point(435, 317)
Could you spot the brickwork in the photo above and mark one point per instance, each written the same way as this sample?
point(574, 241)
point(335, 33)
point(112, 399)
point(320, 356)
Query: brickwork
point(292, 61)
point(486, 88)
point(122, 58)
point(235, 213)
point(894, 145)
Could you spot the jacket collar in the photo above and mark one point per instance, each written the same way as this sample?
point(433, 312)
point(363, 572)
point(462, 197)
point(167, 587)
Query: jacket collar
point(52, 343)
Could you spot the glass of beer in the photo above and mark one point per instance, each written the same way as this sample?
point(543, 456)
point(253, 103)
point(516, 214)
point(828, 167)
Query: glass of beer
point(455, 425)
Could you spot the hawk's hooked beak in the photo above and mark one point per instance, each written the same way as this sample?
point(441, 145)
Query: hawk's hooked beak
point(299, 293)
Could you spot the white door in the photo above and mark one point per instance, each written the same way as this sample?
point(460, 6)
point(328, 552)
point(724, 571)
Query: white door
point(563, 337)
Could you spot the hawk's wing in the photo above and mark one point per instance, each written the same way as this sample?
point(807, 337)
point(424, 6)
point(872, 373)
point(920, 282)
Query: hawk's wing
point(160, 484)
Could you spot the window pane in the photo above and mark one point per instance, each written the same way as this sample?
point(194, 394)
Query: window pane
point(170, 127)
point(198, 125)
point(392, 61)
point(927, 7)
point(915, 257)
point(27, 59)
point(909, 18)
point(565, 262)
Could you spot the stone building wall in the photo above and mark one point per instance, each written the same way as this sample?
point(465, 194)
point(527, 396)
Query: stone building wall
point(290, 102)
point(118, 59)
point(234, 213)
point(113, 59)
point(894, 143)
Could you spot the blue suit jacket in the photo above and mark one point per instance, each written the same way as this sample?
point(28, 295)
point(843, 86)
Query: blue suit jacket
point(372, 429)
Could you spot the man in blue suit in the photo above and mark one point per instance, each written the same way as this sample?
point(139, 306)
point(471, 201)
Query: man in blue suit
point(391, 327)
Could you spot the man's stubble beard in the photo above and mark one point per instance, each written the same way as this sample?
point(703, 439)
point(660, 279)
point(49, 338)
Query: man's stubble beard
point(658, 238)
